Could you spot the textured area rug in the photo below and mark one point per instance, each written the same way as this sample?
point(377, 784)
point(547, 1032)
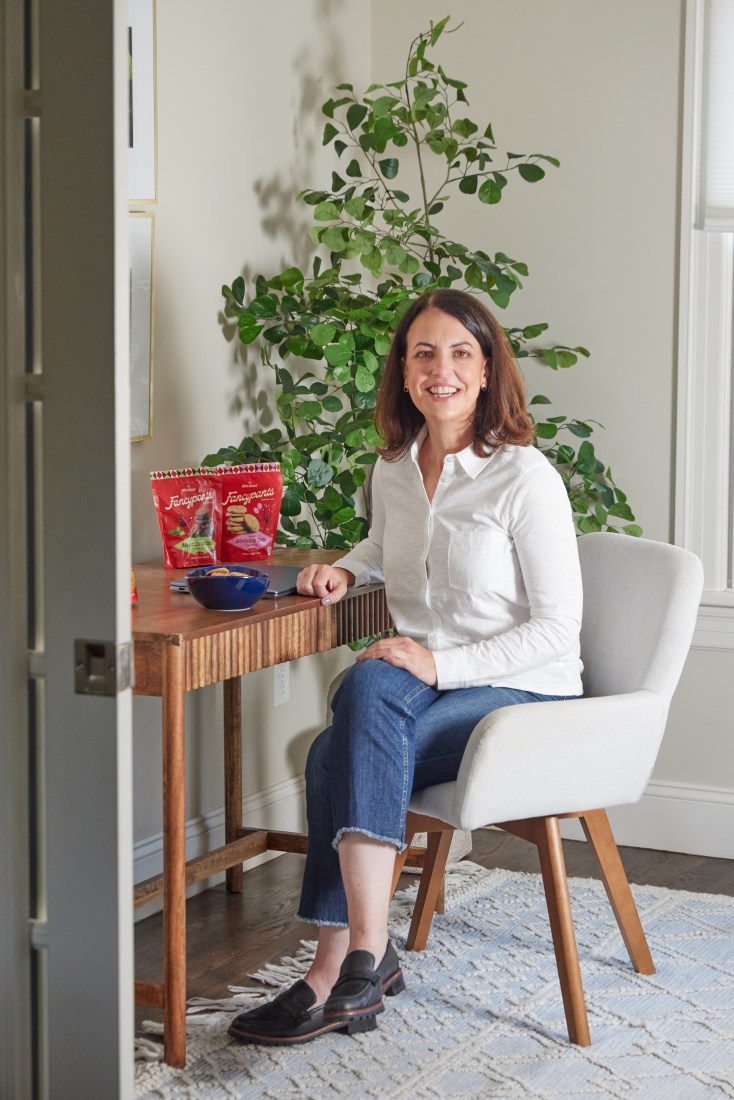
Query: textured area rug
point(482, 1014)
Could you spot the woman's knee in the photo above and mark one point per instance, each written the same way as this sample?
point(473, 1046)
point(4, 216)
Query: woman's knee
point(370, 682)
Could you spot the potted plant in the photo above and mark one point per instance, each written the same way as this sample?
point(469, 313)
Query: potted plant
point(325, 333)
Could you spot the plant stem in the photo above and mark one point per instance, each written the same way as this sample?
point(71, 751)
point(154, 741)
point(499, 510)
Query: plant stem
point(417, 143)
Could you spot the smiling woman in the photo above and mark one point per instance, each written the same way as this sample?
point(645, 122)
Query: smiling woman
point(473, 537)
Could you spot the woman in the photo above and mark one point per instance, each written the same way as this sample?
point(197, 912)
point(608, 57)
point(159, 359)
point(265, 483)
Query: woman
point(473, 536)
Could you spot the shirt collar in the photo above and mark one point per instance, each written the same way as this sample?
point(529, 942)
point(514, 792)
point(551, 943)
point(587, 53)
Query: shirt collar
point(471, 463)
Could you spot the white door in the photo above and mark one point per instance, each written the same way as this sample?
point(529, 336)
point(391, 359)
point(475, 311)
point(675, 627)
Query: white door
point(66, 1015)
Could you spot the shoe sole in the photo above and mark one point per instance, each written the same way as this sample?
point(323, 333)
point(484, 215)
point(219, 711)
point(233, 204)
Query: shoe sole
point(280, 1041)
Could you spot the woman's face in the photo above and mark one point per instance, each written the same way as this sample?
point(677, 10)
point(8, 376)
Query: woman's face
point(443, 369)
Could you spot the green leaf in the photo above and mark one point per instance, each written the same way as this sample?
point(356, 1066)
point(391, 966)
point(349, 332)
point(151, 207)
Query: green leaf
point(490, 192)
point(464, 127)
point(582, 431)
point(332, 403)
point(264, 305)
point(586, 459)
point(307, 410)
point(566, 358)
point(371, 361)
point(247, 335)
point(633, 529)
point(336, 355)
point(622, 511)
point(468, 184)
point(589, 525)
point(531, 172)
point(438, 30)
point(383, 105)
point(546, 431)
point(330, 132)
point(326, 212)
point(290, 504)
point(334, 239)
point(322, 334)
point(372, 437)
point(539, 399)
point(238, 289)
point(356, 113)
point(474, 277)
point(364, 379)
point(565, 454)
point(394, 252)
point(389, 167)
point(532, 332)
point(318, 473)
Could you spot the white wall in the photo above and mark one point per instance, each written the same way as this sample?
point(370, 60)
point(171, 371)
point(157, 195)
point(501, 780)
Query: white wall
point(240, 88)
point(599, 85)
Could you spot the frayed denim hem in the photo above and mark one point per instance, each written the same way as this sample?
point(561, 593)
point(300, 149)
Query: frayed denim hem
point(322, 923)
point(398, 845)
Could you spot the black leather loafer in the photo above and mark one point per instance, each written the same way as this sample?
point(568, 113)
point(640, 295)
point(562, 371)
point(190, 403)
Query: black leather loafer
point(356, 999)
point(289, 1018)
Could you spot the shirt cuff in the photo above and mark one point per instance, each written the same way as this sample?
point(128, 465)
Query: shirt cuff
point(451, 669)
point(360, 572)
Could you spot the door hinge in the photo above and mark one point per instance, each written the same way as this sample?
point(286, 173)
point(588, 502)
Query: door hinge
point(102, 668)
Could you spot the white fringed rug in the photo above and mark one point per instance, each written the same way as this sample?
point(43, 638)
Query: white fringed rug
point(482, 1015)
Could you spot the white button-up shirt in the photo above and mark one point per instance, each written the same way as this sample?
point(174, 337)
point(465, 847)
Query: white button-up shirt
point(486, 575)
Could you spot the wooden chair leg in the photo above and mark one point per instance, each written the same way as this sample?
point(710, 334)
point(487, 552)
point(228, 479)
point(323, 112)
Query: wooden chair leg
point(555, 882)
point(401, 857)
point(432, 878)
point(599, 835)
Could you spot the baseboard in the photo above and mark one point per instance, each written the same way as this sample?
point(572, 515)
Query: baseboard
point(673, 817)
point(281, 806)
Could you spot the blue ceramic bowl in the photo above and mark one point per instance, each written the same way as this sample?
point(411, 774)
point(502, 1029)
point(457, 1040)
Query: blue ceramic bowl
point(237, 591)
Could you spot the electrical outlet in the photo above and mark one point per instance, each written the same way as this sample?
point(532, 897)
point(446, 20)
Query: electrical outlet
point(281, 685)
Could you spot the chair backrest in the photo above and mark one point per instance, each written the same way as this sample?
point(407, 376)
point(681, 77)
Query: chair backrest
point(640, 604)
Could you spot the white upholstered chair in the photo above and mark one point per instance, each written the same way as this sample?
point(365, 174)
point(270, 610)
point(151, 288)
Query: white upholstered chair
point(527, 766)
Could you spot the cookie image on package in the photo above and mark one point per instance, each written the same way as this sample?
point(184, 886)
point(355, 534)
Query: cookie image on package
point(240, 520)
point(202, 523)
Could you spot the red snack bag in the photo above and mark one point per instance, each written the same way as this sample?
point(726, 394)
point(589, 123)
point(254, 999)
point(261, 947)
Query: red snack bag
point(251, 497)
point(189, 514)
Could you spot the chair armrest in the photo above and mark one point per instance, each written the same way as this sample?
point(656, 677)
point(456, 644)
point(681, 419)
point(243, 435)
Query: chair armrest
point(557, 757)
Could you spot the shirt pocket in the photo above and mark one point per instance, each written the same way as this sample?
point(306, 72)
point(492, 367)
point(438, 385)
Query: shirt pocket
point(480, 561)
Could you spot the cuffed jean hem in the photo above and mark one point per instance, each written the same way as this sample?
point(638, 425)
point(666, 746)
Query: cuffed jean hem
point(323, 923)
point(398, 845)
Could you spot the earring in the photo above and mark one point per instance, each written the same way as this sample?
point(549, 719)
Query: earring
point(484, 384)
point(405, 389)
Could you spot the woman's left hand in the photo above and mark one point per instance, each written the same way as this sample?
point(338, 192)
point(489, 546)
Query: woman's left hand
point(403, 653)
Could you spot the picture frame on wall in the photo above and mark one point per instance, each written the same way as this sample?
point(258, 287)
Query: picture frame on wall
point(142, 106)
point(141, 233)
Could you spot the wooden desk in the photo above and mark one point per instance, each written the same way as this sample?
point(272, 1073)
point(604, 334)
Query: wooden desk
point(180, 646)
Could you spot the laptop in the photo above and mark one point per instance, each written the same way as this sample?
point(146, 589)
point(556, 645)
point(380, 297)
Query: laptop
point(282, 578)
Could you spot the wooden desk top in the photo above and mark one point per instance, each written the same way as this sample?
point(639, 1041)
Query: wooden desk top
point(161, 614)
point(219, 645)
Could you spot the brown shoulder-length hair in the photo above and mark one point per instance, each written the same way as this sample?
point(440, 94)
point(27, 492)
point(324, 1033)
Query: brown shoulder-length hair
point(500, 417)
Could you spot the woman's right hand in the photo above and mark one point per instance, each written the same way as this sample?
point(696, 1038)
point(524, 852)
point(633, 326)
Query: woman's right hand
point(327, 581)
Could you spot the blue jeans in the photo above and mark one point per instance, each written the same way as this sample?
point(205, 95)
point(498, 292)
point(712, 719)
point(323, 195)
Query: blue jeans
point(391, 734)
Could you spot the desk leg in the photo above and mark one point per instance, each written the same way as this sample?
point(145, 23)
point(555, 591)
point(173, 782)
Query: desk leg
point(233, 774)
point(174, 859)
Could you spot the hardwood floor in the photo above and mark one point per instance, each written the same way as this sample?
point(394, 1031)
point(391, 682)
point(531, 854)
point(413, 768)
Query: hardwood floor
point(231, 935)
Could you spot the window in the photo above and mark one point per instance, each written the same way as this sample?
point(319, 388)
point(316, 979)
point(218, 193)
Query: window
point(705, 420)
